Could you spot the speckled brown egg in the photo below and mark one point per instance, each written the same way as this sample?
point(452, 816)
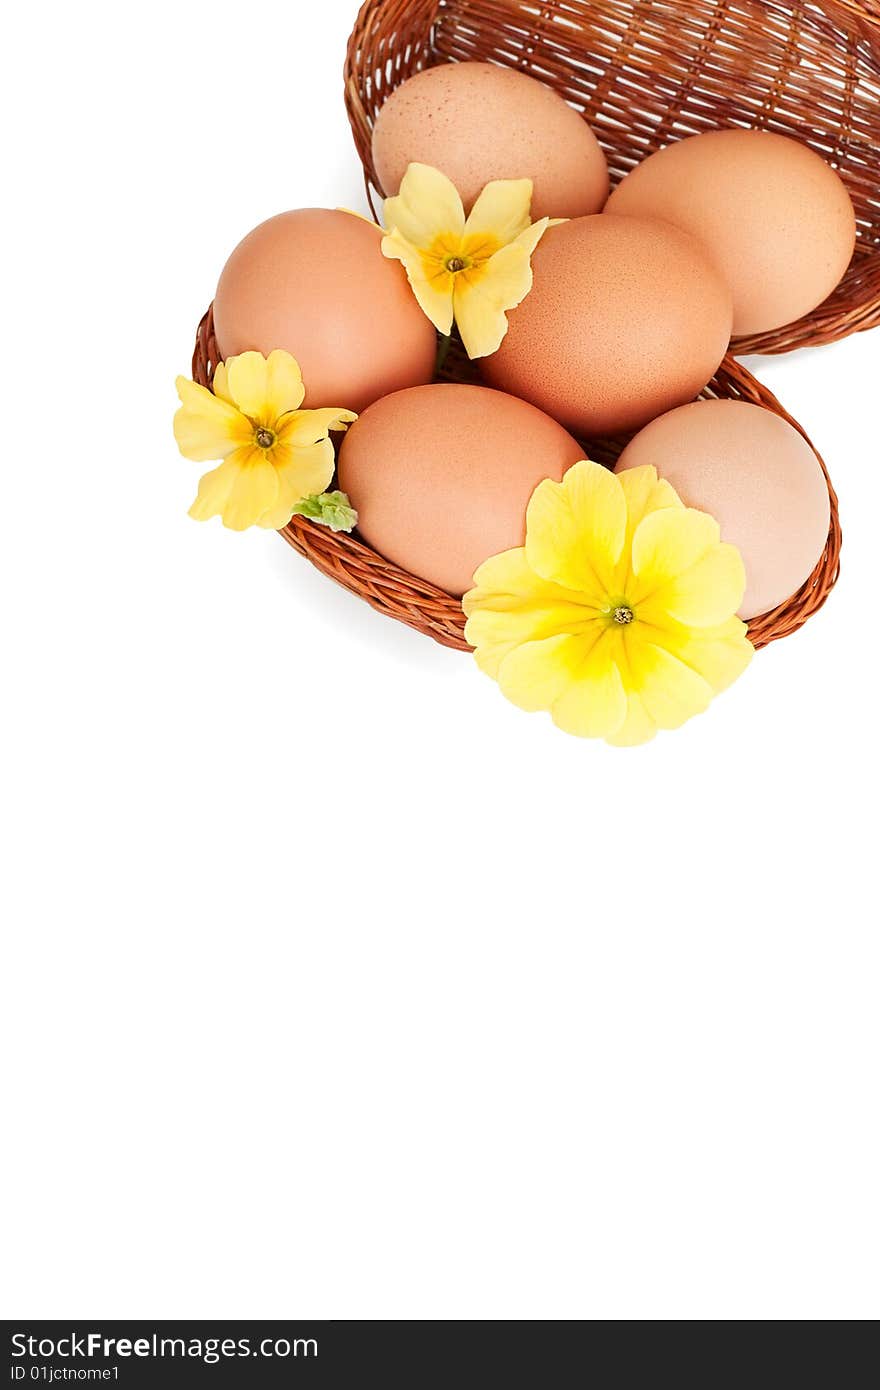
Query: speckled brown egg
point(757, 476)
point(477, 122)
point(315, 282)
point(626, 318)
point(441, 476)
point(776, 218)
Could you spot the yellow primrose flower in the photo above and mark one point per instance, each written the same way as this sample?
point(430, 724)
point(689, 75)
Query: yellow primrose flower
point(468, 271)
point(618, 615)
point(274, 454)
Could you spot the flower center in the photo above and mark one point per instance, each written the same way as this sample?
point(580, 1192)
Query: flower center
point(455, 264)
point(264, 438)
point(622, 614)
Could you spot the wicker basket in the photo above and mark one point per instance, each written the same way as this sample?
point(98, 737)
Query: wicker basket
point(645, 72)
point(401, 595)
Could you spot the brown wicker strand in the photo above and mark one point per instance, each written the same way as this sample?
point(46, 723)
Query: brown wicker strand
point(643, 72)
point(400, 595)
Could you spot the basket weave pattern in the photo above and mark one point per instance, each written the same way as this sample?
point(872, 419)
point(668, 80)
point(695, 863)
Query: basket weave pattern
point(645, 72)
point(398, 594)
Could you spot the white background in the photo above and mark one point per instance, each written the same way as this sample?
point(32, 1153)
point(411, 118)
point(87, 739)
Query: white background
point(335, 985)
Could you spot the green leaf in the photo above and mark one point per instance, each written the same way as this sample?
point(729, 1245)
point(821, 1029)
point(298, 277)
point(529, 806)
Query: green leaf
point(331, 509)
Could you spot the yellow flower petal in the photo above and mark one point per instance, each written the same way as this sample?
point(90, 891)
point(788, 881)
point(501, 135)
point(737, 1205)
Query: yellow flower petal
point(666, 543)
point(427, 206)
point(637, 727)
point(214, 490)
point(246, 383)
point(575, 530)
point(498, 281)
point(505, 575)
point(594, 703)
point(253, 492)
point(502, 210)
point(704, 595)
point(310, 467)
point(535, 674)
point(277, 517)
point(481, 303)
point(510, 604)
point(361, 216)
point(219, 384)
point(681, 571)
point(304, 427)
point(644, 492)
point(718, 654)
point(529, 238)
point(301, 472)
point(670, 691)
point(264, 388)
point(434, 295)
point(205, 426)
point(284, 384)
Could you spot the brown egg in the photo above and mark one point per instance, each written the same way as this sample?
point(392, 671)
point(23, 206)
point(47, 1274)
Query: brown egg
point(477, 122)
point(776, 218)
point(757, 476)
point(441, 476)
point(625, 319)
point(315, 282)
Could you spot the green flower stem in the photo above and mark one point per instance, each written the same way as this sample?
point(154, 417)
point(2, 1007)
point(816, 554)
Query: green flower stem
point(442, 352)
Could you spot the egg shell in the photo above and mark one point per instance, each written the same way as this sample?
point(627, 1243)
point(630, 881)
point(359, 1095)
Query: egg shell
point(315, 282)
point(477, 122)
point(441, 476)
point(757, 476)
point(777, 219)
point(625, 319)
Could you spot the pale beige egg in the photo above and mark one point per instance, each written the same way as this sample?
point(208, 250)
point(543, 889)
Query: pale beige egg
point(315, 283)
point(441, 476)
point(625, 319)
point(477, 122)
point(776, 218)
point(757, 476)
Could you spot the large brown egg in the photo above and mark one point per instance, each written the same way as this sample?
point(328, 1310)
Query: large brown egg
point(776, 218)
point(626, 318)
point(441, 476)
point(757, 476)
point(477, 122)
point(315, 282)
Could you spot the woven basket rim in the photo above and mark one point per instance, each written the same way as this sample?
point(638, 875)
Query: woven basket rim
point(356, 566)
